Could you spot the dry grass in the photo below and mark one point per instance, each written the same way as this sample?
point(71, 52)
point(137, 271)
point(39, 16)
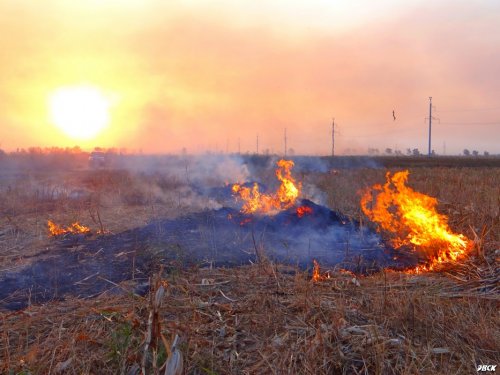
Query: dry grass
point(115, 200)
point(260, 319)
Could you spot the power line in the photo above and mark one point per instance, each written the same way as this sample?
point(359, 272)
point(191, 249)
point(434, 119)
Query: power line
point(470, 123)
point(389, 131)
point(469, 110)
point(404, 130)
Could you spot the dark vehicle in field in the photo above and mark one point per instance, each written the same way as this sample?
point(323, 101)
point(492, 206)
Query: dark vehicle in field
point(97, 159)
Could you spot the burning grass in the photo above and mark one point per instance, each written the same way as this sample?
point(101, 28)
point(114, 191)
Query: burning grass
point(262, 318)
point(285, 196)
point(75, 228)
point(412, 220)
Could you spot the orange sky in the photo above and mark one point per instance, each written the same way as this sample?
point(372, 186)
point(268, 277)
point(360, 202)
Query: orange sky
point(202, 76)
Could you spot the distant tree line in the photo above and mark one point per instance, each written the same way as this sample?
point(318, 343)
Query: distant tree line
point(40, 158)
point(416, 152)
point(466, 152)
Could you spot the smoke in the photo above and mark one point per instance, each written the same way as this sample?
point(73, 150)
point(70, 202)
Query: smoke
point(335, 246)
point(206, 169)
point(313, 193)
point(216, 169)
point(309, 164)
point(194, 182)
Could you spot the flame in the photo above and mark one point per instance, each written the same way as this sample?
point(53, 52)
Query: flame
point(57, 230)
point(317, 276)
point(412, 218)
point(304, 210)
point(283, 198)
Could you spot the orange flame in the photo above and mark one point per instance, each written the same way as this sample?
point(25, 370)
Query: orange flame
point(304, 210)
point(283, 198)
point(412, 218)
point(57, 230)
point(316, 275)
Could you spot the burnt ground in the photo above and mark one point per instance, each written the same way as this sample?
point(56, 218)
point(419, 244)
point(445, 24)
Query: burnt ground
point(256, 319)
point(85, 266)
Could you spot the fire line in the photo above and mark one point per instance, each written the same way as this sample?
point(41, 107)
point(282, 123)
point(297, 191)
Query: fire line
point(57, 230)
point(412, 220)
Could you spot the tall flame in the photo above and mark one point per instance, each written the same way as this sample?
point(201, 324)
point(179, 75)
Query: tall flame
point(413, 220)
point(57, 230)
point(283, 198)
point(316, 273)
point(316, 276)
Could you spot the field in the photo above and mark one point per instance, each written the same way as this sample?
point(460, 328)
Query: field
point(262, 318)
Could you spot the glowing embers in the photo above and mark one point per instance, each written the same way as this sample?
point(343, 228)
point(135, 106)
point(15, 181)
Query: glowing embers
point(282, 199)
point(412, 220)
point(75, 228)
point(304, 210)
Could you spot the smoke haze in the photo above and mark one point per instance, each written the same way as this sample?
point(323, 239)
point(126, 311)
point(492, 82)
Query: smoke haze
point(204, 76)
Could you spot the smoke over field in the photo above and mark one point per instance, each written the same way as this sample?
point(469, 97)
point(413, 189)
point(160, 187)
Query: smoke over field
point(333, 244)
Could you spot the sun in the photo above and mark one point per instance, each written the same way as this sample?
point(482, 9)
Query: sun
point(81, 112)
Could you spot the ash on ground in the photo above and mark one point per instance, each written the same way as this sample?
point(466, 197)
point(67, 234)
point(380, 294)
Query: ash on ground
point(84, 266)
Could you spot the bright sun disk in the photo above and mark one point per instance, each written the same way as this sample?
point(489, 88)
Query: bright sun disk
point(81, 112)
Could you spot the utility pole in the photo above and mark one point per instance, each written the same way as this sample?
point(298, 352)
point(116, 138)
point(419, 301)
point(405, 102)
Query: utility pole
point(429, 152)
point(285, 142)
point(257, 144)
point(430, 123)
point(333, 137)
point(239, 149)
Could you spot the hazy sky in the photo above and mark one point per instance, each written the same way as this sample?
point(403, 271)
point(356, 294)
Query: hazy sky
point(203, 74)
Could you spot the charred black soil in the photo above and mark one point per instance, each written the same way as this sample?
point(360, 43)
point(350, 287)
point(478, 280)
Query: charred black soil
point(84, 266)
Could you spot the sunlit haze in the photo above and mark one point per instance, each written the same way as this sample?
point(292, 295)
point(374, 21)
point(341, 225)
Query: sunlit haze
point(203, 76)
